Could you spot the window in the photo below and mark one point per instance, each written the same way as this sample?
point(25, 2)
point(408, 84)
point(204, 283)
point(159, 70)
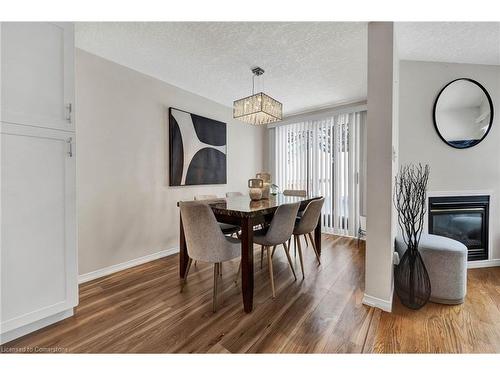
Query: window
point(324, 157)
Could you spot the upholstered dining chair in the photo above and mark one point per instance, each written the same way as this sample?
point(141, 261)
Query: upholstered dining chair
point(278, 233)
point(305, 226)
point(295, 193)
point(228, 229)
point(230, 194)
point(205, 240)
point(204, 197)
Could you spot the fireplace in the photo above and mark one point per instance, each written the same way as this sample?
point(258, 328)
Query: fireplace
point(463, 218)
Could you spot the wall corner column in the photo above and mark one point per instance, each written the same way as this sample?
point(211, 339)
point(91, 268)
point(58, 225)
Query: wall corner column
point(382, 134)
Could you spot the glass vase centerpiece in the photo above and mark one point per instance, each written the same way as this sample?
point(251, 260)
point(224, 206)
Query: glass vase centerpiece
point(411, 280)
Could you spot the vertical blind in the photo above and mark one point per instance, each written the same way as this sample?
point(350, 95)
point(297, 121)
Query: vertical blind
point(323, 157)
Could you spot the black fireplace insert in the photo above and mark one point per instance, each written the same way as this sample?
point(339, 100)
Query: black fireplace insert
point(463, 218)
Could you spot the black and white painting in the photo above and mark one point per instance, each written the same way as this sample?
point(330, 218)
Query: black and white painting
point(197, 149)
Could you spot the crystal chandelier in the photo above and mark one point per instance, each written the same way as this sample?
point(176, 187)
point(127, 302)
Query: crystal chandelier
point(257, 109)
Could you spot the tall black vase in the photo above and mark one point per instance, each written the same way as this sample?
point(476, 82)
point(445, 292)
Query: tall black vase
point(411, 280)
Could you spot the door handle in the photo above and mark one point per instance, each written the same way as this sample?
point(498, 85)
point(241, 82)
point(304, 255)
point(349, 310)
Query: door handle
point(70, 144)
point(69, 110)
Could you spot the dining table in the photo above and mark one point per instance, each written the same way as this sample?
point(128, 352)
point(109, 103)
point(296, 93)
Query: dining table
point(247, 213)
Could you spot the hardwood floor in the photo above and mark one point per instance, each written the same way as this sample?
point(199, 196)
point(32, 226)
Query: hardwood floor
point(473, 327)
point(141, 310)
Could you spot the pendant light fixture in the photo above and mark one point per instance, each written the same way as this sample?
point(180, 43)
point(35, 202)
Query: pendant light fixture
point(257, 109)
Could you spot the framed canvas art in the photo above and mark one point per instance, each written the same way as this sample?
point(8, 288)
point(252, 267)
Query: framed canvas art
point(197, 149)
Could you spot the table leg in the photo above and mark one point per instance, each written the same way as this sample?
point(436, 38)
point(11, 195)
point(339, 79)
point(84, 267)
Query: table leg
point(183, 255)
point(247, 263)
point(317, 235)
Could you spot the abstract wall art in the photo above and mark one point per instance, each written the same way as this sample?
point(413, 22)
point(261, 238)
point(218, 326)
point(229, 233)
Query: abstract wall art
point(197, 149)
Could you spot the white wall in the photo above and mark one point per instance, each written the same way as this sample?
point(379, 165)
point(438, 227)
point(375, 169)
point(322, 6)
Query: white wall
point(452, 170)
point(126, 209)
point(382, 135)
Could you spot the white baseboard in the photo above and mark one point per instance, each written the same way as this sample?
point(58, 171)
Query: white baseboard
point(35, 326)
point(123, 266)
point(377, 302)
point(484, 263)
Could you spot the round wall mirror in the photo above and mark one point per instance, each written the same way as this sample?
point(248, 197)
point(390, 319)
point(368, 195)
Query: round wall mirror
point(463, 113)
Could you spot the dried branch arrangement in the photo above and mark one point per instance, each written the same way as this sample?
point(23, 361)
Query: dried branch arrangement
point(409, 199)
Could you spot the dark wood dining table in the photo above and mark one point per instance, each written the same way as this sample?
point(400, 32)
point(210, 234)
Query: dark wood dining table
point(245, 213)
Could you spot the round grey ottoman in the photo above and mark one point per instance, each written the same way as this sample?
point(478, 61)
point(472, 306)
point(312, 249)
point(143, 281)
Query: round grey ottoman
point(446, 263)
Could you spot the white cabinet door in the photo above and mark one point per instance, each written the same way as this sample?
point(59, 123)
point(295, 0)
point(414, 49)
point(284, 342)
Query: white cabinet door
point(38, 258)
point(38, 74)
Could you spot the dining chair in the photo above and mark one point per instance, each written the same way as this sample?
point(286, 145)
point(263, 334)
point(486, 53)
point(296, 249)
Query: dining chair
point(204, 197)
point(228, 229)
point(205, 241)
point(234, 194)
point(305, 226)
point(278, 233)
point(295, 193)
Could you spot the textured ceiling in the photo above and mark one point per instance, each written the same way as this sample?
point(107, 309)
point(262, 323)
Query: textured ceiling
point(308, 65)
point(457, 42)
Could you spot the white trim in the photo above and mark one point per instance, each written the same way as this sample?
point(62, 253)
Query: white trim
point(123, 266)
point(483, 263)
point(35, 315)
point(322, 113)
point(35, 326)
point(445, 193)
point(377, 302)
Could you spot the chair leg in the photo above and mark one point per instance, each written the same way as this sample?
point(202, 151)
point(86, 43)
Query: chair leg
point(314, 248)
point(271, 276)
point(184, 281)
point(287, 252)
point(289, 240)
point(272, 253)
point(220, 269)
point(295, 246)
point(261, 255)
point(307, 245)
point(195, 263)
point(216, 282)
point(301, 259)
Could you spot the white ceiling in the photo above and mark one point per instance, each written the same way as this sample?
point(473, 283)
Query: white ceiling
point(308, 65)
point(454, 42)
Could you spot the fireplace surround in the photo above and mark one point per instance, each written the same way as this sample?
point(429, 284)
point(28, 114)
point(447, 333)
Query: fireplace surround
point(462, 218)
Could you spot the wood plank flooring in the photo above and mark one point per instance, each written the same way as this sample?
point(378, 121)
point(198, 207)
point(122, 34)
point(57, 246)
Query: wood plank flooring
point(140, 310)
